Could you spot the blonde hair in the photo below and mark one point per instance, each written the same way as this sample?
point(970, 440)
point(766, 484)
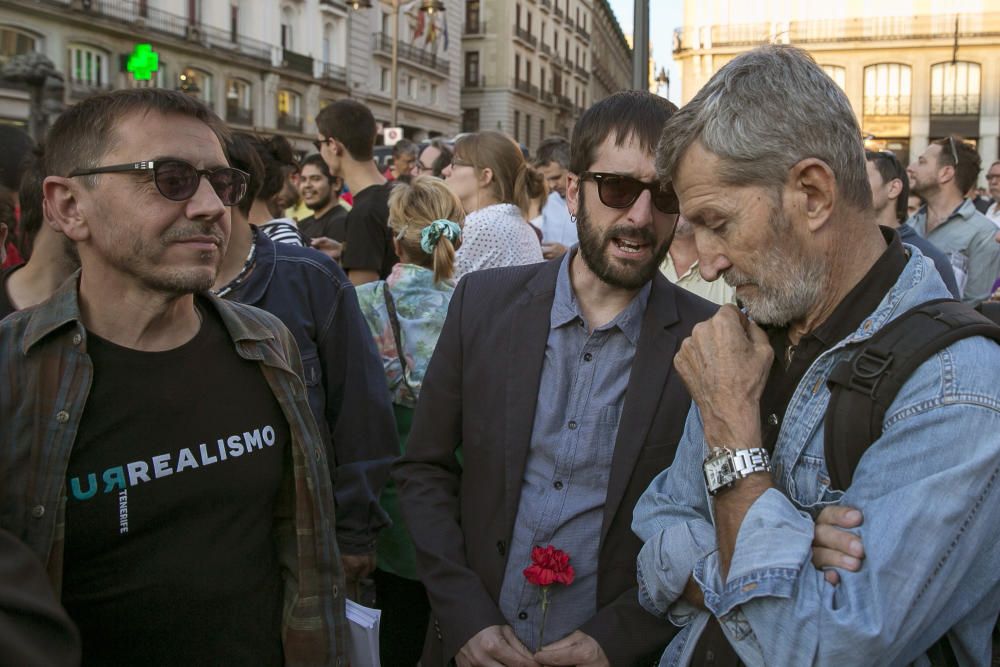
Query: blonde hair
point(414, 206)
point(514, 180)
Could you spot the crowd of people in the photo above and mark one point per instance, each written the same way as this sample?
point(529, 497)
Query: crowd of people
point(240, 386)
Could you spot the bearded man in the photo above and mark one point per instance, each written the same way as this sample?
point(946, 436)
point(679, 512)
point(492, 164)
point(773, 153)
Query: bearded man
point(549, 405)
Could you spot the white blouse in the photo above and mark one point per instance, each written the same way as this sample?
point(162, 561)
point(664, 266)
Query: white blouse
point(496, 236)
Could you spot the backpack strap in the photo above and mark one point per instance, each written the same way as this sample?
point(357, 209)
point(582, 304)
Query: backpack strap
point(390, 308)
point(863, 386)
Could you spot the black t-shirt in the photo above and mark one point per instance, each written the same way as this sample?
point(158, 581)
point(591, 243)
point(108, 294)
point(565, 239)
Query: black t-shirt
point(368, 244)
point(332, 224)
point(171, 490)
point(6, 306)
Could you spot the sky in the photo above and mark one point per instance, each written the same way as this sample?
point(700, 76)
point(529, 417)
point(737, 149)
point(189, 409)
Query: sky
point(664, 16)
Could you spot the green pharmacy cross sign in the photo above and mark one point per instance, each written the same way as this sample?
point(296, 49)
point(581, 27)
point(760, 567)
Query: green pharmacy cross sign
point(142, 62)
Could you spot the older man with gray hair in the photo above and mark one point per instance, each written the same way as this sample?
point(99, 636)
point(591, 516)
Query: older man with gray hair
point(768, 163)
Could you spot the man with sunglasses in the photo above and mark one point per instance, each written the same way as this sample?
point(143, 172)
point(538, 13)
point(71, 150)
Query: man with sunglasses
point(942, 175)
point(160, 455)
point(548, 406)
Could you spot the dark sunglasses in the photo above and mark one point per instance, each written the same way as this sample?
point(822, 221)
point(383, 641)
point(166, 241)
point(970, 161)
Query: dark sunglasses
point(617, 191)
point(954, 149)
point(178, 180)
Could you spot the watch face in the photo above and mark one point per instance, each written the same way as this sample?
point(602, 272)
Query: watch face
point(719, 473)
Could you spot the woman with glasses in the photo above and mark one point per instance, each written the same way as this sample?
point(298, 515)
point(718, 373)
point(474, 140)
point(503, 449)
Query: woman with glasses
point(405, 313)
point(489, 175)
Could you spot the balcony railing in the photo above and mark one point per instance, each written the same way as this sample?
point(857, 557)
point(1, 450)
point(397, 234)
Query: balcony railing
point(529, 89)
point(333, 72)
point(887, 105)
point(383, 44)
point(472, 82)
point(297, 62)
point(525, 36)
point(583, 73)
point(565, 102)
point(545, 49)
point(140, 18)
point(239, 115)
point(886, 28)
point(546, 4)
point(954, 105)
point(333, 3)
point(570, 23)
point(582, 32)
point(289, 123)
point(78, 90)
point(557, 12)
point(475, 28)
point(546, 96)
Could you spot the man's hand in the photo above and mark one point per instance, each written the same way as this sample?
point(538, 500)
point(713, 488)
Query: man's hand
point(328, 247)
point(495, 646)
point(833, 546)
point(577, 649)
point(725, 363)
point(553, 250)
point(357, 566)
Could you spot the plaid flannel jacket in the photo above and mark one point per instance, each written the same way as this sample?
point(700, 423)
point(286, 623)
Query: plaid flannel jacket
point(45, 378)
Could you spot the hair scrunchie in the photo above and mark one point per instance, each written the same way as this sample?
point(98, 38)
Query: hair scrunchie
point(433, 232)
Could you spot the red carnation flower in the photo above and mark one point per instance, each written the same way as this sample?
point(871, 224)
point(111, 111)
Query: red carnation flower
point(548, 566)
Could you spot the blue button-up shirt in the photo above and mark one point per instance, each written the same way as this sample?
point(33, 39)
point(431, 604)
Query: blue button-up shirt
point(580, 398)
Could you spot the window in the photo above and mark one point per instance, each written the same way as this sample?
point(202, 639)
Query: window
point(412, 87)
point(234, 21)
point(289, 104)
point(527, 129)
point(14, 43)
point(527, 71)
point(287, 19)
point(529, 23)
point(837, 73)
point(887, 90)
point(238, 105)
point(196, 83)
point(955, 89)
point(541, 129)
point(88, 66)
point(470, 120)
point(472, 68)
point(517, 126)
point(517, 67)
point(517, 16)
point(327, 42)
point(384, 82)
point(434, 93)
point(472, 14)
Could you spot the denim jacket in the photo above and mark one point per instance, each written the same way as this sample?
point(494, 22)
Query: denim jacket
point(45, 379)
point(929, 489)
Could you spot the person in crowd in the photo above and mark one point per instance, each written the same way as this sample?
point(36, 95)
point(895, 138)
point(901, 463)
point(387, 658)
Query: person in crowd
point(276, 192)
point(492, 180)
point(993, 186)
point(310, 294)
point(768, 163)
point(558, 229)
point(6, 223)
point(913, 204)
point(290, 196)
point(547, 408)
point(165, 466)
point(680, 266)
point(15, 148)
point(942, 175)
point(890, 190)
point(404, 158)
point(433, 159)
point(321, 193)
point(51, 257)
point(346, 141)
point(537, 199)
point(405, 314)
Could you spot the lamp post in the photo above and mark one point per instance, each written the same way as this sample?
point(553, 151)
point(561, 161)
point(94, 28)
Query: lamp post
point(428, 6)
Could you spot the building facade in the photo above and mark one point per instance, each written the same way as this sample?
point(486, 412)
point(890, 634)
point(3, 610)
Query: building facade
point(529, 65)
point(263, 66)
point(914, 70)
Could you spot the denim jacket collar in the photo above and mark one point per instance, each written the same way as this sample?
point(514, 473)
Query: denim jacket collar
point(253, 290)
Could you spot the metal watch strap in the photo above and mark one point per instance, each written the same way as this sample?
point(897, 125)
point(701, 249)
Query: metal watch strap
point(725, 466)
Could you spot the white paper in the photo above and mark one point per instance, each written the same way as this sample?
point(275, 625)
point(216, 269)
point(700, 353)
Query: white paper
point(364, 626)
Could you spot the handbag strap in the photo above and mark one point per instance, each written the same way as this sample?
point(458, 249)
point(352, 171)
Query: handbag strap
point(390, 307)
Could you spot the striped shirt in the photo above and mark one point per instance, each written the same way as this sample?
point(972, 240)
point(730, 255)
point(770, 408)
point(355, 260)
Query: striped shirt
point(282, 230)
point(44, 348)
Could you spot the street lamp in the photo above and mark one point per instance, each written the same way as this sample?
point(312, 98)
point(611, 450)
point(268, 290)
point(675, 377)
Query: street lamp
point(428, 6)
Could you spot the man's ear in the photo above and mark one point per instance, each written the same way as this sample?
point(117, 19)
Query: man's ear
point(63, 207)
point(811, 192)
point(895, 188)
point(572, 192)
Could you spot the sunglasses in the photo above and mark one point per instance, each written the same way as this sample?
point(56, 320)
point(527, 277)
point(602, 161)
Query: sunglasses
point(459, 162)
point(617, 191)
point(954, 150)
point(178, 180)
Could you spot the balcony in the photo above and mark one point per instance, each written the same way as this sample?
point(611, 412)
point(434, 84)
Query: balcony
point(238, 115)
point(78, 90)
point(412, 54)
point(474, 83)
point(545, 4)
point(564, 102)
point(582, 32)
point(558, 13)
point(918, 28)
point(475, 29)
point(296, 62)
point(570, 24)
point(887, 105)
point(336, 4)
point(545, 50)
point(547, 97)
point(335, 73)
point(529, 89)
point(289, 123)
point(954, 105)
point(582, 73)
point(526, 37)
point(140, 19)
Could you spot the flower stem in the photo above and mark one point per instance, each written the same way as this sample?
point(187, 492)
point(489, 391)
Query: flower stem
point(545, 611)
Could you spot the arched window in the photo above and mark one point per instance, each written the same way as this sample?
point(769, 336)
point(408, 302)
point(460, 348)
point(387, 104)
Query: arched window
point(88, 67)
point(197, 83)
point(887, 89)
point(955, 89)
point(238, 106)
point(289, 110)
point(837, 73)
point(14, 43)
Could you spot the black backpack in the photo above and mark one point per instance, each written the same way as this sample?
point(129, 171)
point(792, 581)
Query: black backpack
point(863, 387)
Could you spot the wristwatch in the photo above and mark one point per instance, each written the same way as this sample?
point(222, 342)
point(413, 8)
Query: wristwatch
point(724, 466)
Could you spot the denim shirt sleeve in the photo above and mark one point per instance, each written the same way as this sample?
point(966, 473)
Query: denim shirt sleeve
point(928, 492)
point(672, 519)
point(362, 425)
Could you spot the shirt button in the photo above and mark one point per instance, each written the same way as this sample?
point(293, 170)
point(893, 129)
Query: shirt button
point(558, 485)
point(501, 548)
point(523, 615)
point(77, 339)
point(588, 356)
point(336, 591)
point(572, 426)
point(38, 511)
point(62, 416)
point(772, 419)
